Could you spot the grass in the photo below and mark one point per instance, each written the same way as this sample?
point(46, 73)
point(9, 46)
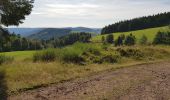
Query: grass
point(22, 74)
point(5, 59)
point(149, 33)
point(20, 55)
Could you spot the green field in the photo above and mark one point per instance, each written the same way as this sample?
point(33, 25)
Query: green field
point(150, 33)
point(24, 74)
point(20, 55)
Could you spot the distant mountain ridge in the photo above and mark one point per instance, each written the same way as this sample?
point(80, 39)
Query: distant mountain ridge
point(48, 33)
point(24, 31)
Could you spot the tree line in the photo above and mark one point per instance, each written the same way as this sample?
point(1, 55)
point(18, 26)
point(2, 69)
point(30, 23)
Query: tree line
point(158, 20)
point(71, 39)
point(128, 40)
point(13, 42)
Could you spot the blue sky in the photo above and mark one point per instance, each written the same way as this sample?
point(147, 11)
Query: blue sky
point(90, 13)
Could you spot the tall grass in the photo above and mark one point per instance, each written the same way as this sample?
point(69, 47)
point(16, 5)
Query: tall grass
point(21, 75)
point(5, 59)
point(71, 53)
point(46, 55)
point(81, 53)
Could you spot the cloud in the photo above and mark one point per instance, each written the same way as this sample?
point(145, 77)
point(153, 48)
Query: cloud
point(91, 13)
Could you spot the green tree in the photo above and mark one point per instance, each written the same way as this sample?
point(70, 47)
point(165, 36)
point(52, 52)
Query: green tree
point(143, 40)
point(162, 38)
point(110, 38)
point(103, 39)
point(14, 11)
point(130, 40)
point(159, 38)
point(119, 41)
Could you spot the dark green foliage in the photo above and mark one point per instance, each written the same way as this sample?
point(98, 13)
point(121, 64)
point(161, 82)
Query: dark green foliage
point(12, 42)
point(5, 59)
point(143, 40)
point(119, 41)
point(158, 20)
point(46, 56)
point(49, 33)
point(130, 40)
point(15, 11)
point(109, 38)
point(71, 39)
point(162, 38)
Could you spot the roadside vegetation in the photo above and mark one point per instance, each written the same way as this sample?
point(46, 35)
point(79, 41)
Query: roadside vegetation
point(24, 74)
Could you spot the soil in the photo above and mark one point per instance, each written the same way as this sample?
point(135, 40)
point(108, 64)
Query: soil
point(140, 82)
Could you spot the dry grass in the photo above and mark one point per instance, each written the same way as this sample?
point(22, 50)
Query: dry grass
point(24, 74)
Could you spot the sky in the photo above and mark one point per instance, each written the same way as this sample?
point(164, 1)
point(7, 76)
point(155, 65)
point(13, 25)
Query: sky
point(90, 13)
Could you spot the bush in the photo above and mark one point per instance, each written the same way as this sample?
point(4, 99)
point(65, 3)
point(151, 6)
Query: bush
point(143, 40)
point(103, 39)
point(70, 54)
point(119, 40)
point(5, 59)
point(112, 57)
point(109, 39)
point(162, 38)
point(46, 55)
point(131, 52)
point(130, 40)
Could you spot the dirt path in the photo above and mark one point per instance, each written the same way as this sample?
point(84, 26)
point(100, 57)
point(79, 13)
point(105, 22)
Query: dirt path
point(142, 82)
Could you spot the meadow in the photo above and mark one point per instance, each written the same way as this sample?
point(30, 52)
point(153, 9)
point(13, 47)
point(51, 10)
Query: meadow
point(25, 70)
point(23, 73)
point(149, 33)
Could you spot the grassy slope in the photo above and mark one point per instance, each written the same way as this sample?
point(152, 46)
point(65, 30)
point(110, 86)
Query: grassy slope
point(150, 33)
point(20, 55)
point(24, 74)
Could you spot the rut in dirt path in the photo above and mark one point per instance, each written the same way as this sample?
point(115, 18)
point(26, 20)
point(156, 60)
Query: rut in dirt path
point(141, 82)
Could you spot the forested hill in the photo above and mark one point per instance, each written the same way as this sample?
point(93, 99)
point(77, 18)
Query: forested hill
point(48, 33)
point(153, 21)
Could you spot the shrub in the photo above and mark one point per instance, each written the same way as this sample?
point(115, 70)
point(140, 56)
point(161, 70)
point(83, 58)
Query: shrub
point(130, 40)
point(109, 38)
point(46, 55)
point(5, 59)
point(131, 52)
point(162, 38)
point(70, 54)
point(143, 40)
point(119, 40)
point(112, 57)
point(103, 39)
